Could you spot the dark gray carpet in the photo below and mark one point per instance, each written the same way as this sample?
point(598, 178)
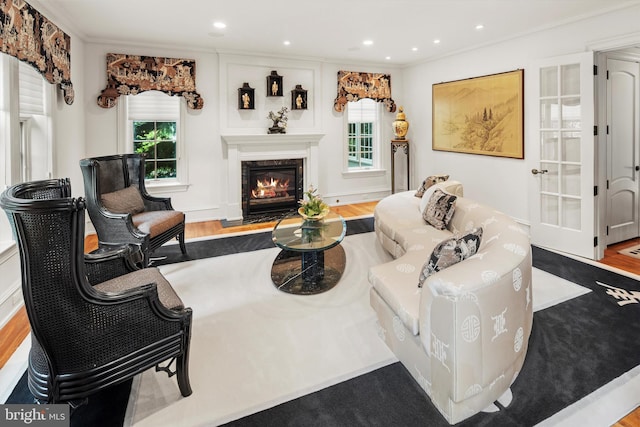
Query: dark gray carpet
point(575, 348)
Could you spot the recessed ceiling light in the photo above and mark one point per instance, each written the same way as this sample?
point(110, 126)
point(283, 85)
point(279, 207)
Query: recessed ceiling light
point(367, 42)
point(479, 27)
point(286, 42)
point(220, 25)
point(436, 41)
point(415, 49)
point(387, 58)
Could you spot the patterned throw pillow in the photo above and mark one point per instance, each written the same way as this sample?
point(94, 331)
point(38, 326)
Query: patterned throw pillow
point(428, 182)
point(451, 251)
point(127, 200)
point(440, 208)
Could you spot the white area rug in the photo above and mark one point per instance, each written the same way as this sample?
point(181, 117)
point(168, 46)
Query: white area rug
point(254, 347)
point(632, 251)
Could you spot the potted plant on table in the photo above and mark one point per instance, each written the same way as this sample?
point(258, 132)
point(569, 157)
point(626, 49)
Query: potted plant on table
point(312, 207)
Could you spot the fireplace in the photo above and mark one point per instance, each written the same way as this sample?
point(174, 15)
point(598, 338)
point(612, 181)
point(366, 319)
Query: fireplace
point(271, 186)
point(261, 147)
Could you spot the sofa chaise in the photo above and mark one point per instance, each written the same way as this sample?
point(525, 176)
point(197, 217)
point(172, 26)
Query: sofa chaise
point(464, 334)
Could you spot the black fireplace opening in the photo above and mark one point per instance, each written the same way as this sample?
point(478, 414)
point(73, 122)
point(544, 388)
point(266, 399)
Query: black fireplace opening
point(271, 187)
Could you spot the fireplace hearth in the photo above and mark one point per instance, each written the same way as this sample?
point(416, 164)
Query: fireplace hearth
point(271, 187)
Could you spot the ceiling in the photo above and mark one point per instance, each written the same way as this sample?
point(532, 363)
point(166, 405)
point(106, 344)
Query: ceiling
point(402, 31)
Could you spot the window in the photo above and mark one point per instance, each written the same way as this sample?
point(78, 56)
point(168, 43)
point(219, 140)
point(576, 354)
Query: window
point(158, 141)
point(153, 129)
point(363, 119)
point(36, 161)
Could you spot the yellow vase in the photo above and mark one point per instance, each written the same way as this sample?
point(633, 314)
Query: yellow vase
point(400, 125)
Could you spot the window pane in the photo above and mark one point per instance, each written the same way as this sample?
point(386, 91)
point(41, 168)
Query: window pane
point(149, 169)
point(166, 169)
point(570, 79)
point(141, 129)
point(549, 146)
point(549, 81)
point(166, 150)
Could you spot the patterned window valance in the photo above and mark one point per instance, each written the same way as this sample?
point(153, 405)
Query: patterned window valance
point(353, 86)
point(132, 74)
point(32, 38)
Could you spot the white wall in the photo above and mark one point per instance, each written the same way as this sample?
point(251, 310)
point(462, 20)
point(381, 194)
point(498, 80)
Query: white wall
point(498, 182)
point(218, 77)
point(202, 199)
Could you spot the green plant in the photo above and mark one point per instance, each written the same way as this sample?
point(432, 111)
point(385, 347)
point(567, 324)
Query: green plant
point(313, 204)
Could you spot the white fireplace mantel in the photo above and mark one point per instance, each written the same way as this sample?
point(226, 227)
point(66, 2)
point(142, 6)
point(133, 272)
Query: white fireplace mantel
point(240, 148)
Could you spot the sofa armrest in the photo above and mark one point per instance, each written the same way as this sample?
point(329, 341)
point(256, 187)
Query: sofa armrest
point(475, 322)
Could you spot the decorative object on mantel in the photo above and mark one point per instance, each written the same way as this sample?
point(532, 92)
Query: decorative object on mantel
point(299, 98)
point(400, 125)
point(274, 84)
point(279, 120)
point(313, 207)
point(352, 86)
point(30, 37)
point(246, 97)
point(132, 74)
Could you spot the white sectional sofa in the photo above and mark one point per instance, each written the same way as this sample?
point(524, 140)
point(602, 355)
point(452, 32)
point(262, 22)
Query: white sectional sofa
point(463, 335)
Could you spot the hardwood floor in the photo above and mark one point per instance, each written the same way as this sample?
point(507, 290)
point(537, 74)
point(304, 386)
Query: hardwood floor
point(212, 228)
point(209, 228)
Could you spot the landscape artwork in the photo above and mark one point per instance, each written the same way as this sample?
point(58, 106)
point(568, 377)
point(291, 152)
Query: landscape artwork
point(481, 115)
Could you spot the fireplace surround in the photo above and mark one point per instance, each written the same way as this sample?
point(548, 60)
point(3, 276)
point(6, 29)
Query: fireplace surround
point(260, 147)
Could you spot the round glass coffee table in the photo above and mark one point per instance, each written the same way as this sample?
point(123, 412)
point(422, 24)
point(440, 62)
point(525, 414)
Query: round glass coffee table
point(312, 260)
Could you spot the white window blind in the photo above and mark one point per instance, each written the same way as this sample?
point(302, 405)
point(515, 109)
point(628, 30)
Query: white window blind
point(31, 90)
point(363, 111)
point(153, 106)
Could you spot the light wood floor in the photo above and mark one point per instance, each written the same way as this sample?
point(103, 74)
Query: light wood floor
point(203, 229)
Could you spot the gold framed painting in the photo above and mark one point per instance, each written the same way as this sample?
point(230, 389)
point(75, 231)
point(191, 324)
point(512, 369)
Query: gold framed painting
point(480, 115)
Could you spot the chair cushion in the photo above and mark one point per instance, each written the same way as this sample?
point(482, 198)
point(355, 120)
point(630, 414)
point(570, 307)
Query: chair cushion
point(155, 223)
point(166, 293)
point(439, 209)
point(451, 251)
point(128, 200)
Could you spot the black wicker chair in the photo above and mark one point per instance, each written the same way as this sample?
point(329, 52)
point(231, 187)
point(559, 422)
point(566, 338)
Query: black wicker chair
point(87, 336)
point(121, 209)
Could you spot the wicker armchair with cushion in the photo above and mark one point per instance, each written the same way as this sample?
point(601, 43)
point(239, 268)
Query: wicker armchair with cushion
point(121, 209)
point(87, 336)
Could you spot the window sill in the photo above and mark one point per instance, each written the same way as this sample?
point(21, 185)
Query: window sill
point(364, 173)
point(169, 187)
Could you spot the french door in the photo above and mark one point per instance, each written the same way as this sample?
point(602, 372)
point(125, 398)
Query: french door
point(562, 209)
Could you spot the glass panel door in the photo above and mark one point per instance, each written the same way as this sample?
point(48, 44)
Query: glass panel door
point(563, 161)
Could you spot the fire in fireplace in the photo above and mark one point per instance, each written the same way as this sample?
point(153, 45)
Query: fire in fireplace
point(271, 186)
